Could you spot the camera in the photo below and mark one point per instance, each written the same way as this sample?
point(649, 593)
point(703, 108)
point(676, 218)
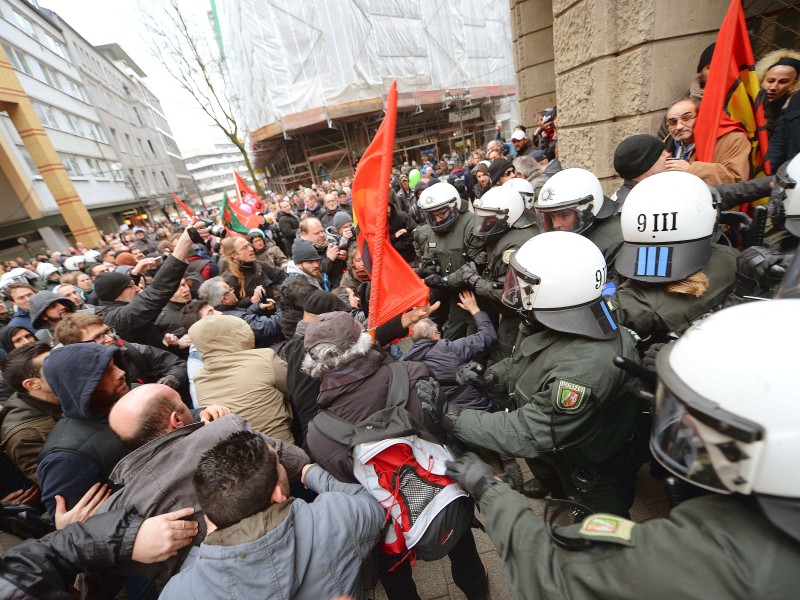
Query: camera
point(333, 237)
point(218, 231)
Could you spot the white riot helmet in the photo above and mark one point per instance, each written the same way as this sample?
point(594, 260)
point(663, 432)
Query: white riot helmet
point(439, 204)
point(732, 430)
point(667, 223)
point(570, 201)
point(557, 278)
point(499, 209)
point(524, 188)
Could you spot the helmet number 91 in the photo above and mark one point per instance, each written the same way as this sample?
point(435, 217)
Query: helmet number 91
point(599, 277)
point(666, 222)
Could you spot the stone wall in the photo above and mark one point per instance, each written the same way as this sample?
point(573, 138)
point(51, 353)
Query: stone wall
point(617, 65)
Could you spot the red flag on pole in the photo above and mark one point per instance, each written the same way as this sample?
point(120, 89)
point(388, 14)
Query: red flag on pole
point(733, 98)
point(248, 196)
point(189, 212)
point(245, 210)
point(395, 286)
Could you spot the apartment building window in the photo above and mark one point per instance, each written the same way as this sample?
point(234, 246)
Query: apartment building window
point(71, 165)
point(26, 156)
point(56, 46)
point(138, 118)
point(24, 24)
point(164, 177)
point(153, 150)
point(130, 145)
point(17, 58)
point(50, 75)
point(45, 114)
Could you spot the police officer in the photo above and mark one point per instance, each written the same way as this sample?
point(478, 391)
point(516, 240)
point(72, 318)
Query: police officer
point(572, 200)
point(573, 410)
point(503, 224)
point(674, 272)
point(718, 427)
point(441, 247)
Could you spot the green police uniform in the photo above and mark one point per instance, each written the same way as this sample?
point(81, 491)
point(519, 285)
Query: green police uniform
point(574, 413)
point(490, 286)
point(448, 250)
point(606, 234)
point(651, 311)
point(710, 548)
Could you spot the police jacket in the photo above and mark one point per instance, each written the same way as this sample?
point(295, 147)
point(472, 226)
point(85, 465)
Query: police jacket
point(135, 320)
point(651, 311)
point(573, 402)
point(714, 547)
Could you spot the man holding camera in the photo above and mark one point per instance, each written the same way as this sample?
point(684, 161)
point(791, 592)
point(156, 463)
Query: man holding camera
point(333, 260)
point(132, 312)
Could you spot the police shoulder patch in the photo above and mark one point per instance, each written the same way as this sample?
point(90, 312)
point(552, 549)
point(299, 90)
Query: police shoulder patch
point(570, 396)
point(607, 528)
point(507, 255)
point(431, 244)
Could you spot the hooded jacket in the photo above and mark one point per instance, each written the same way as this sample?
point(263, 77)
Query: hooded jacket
point(7, 331)
point(24, 429)
point(41, 301)
point(81, 450)
point(250, 381)
point(290, 550)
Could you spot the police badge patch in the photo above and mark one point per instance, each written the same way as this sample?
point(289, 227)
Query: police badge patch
point(570, 396)
point(507, 255)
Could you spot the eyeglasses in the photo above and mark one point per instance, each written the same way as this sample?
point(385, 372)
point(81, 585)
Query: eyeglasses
point(108, 331)
point(229, 292)
point(684, 118)
point(509, 173)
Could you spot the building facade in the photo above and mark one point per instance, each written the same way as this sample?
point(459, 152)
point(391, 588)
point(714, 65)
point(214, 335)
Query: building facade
point(212, 170)
point(86, 106)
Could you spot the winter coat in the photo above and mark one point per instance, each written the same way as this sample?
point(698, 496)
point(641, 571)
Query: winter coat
point(250, 381)
point(731, 161)
point(81, 450)
point(445, 357)
point(405, 243)
point(25, 427)
point(168, 463)
point(290, 550)
point(135, 320)
point(358, 400)
point(255, 273)
point(785, 142)
point(266, 328)
point(288, 223)
point(147, 364)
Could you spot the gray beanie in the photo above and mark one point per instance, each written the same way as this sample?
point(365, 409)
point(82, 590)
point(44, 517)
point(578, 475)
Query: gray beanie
point(303, 251)
point(341, 218)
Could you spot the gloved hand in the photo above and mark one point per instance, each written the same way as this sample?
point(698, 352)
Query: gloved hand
point(474, 475)
point(474, 373)
point(435, 404)
point(469, 274)
point(434, 281)
point(170, 381)
point(649, 360)
point(429, 267)
point(480, 260)
point(757, 267)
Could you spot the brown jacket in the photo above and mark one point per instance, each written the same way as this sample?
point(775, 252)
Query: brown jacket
point(731, 161)
point(249, 381)
point(25, 427)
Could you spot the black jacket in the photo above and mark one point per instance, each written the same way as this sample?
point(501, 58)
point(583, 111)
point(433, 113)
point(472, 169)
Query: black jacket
point(288, 224)
point(255, 273)
point(135, 320)
point(405, 243)
point(146, 364)
point(45, 568)
point(785, 142)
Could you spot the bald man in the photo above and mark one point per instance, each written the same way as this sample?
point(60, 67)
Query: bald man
point(166, 444)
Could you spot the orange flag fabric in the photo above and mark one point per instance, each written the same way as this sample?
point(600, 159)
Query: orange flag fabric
point(245, 204)
point(733, 98)
point(395, 287)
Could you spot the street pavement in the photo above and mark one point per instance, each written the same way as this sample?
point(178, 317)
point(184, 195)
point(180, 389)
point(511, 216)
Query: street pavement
point(434, 581)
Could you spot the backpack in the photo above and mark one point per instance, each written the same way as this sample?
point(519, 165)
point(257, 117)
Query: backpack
point(403, 466)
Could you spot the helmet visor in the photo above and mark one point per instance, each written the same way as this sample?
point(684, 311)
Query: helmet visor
point(489, 222)
point(561, 219)
point(440, 219)
point(520, 289)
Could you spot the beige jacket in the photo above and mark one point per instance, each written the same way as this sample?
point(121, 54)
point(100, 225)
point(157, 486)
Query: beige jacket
point(249, 381)
point(731, 161)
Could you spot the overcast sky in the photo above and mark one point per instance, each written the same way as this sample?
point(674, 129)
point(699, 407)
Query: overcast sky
point(118, 21)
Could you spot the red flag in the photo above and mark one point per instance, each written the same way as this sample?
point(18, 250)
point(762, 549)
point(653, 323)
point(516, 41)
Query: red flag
point(189, 212)
point(733, 98)
point(395, 286)
point(248, 196)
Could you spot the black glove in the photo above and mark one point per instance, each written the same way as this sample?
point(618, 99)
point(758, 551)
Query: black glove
point(474, 475)
point(470, 275)
point(435, 404)
point(480, 260)
point(434, 281)
point(429, 267)
point(170, 381)
point(757, 267)
point(649, 360)
point(474, 373)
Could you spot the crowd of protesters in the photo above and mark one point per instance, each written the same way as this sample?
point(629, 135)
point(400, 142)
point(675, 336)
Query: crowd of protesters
point(161, 392)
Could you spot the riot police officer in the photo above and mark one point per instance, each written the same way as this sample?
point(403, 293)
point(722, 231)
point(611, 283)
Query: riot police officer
point(573, 408)
point(503, 224)
point(441, 249)
point(718, 427)
point(674, 272)
point(573, 200)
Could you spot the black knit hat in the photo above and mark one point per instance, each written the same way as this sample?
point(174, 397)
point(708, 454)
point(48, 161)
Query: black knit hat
point(303, 251)
point(636, 154)
point(705, 57)
point(108, 286)
point(497, 168)
point(320, 302)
